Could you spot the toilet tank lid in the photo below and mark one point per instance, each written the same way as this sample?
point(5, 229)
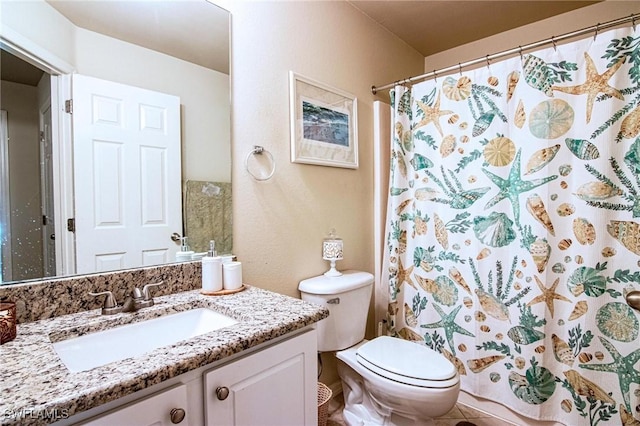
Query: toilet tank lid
point(349, 280)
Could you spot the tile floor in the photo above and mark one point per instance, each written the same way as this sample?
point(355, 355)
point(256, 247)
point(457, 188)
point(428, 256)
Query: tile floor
point(461, 415)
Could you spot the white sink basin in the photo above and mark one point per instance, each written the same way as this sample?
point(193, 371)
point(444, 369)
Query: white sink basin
point(93, 350)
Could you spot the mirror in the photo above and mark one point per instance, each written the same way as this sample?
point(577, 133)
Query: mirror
point(176, 47)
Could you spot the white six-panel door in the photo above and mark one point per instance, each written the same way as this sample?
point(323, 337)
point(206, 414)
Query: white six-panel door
point(127, 178)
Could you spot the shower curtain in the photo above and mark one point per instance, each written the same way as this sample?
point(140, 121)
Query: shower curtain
point(513, 228)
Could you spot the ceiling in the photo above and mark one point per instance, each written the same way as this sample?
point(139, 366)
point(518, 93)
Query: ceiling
point(426, 25)
point(18, 71)
point(171, 26)
point(195, 31)
point(431, 26)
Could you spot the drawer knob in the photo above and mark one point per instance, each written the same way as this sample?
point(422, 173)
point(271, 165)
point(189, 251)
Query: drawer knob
point(177, 415)
point(222, 392)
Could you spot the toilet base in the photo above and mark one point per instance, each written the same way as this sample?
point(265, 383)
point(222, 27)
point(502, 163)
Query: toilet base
point(361, 409)
point(370, 399)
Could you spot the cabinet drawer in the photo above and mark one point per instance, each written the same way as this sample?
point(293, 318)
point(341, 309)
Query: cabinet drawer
point(155, 410)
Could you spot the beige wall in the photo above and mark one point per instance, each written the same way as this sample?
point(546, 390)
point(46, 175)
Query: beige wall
point(279, 224)
point(41, 24)
point(561, 24)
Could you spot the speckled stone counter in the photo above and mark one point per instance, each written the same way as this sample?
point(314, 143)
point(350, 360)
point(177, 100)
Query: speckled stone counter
point(33, 378)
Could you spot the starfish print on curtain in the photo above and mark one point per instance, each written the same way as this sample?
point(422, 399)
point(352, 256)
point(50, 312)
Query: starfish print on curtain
point(513, 186)
point(623, 366)
point(431, 114)
point(594, 85)
point(548, 295)
point(448, 322)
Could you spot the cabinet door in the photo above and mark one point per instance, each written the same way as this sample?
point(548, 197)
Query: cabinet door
point(156, 410)
point(273, 387)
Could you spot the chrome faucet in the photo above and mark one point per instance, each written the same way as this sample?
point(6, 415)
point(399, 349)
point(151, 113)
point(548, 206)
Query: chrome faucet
point(139, 299)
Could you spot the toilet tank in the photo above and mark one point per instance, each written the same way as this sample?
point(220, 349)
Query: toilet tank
point(347, 297)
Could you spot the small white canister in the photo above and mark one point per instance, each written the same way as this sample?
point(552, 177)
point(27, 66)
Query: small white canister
point(232, 275)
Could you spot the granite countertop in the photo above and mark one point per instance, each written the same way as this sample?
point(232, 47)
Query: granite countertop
point(33, 378)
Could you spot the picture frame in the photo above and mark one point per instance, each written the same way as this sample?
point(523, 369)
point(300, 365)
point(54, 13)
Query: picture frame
point(324, 124)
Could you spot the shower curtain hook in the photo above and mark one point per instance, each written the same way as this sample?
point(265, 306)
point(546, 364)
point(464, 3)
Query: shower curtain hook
point(435, 76)
point(553, 41)
point(596, 34)
point(521, 57)
point(407, 82)
point(633, 21)
point(460, 68)
point(488, 63)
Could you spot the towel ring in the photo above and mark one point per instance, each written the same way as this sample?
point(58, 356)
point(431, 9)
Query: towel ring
point(259, 150)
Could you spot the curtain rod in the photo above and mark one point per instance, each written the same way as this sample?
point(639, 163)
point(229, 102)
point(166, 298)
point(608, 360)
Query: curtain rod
point(554, 39)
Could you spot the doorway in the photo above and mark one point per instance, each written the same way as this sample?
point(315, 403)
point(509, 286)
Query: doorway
point(5, 207)
point(26, 101)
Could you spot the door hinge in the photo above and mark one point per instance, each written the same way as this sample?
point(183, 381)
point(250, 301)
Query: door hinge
point(71, 225)
point(68, 106)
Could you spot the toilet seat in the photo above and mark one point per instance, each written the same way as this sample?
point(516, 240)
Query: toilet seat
point(407, 362)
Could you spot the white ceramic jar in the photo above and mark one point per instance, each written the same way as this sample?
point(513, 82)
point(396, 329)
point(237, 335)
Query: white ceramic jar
point(232, 275)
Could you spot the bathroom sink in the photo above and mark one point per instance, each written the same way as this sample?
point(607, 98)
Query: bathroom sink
point(95, 349)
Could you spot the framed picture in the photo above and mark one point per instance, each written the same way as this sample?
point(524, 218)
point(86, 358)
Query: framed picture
point(323, 124)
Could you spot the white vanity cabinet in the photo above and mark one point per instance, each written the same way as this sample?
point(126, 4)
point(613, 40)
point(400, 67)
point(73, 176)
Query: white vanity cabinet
point(273, 384)
point(165, 408)
point(273, 387)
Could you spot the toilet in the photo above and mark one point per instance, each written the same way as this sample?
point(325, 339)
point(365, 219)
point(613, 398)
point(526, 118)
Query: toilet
point(387, 380)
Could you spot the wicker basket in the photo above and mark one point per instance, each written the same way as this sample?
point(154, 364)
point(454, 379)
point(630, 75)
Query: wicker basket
point(324, 395)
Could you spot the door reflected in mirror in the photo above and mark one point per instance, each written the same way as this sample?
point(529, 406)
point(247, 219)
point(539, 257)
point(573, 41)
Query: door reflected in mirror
point(139, 44)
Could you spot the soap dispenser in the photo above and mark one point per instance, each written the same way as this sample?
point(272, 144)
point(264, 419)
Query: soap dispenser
point(185, 252)
point(211, 270)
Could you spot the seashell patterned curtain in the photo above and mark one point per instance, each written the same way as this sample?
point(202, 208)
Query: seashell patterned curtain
point(513, 230)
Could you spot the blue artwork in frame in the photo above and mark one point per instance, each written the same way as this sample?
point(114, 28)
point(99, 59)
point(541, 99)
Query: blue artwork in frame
point(323, 124)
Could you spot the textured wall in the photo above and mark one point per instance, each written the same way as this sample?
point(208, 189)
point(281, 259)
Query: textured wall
point(279, 224)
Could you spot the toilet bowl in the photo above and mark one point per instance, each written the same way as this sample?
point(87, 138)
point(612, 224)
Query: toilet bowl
point(392, 381)
point(386, 380)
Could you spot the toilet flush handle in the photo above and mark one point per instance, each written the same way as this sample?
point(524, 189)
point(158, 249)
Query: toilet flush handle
point(334, 301)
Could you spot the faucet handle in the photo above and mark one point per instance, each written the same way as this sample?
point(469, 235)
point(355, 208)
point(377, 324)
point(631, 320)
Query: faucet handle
point(145, 290)
point(137, 293)
point(110, 305)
